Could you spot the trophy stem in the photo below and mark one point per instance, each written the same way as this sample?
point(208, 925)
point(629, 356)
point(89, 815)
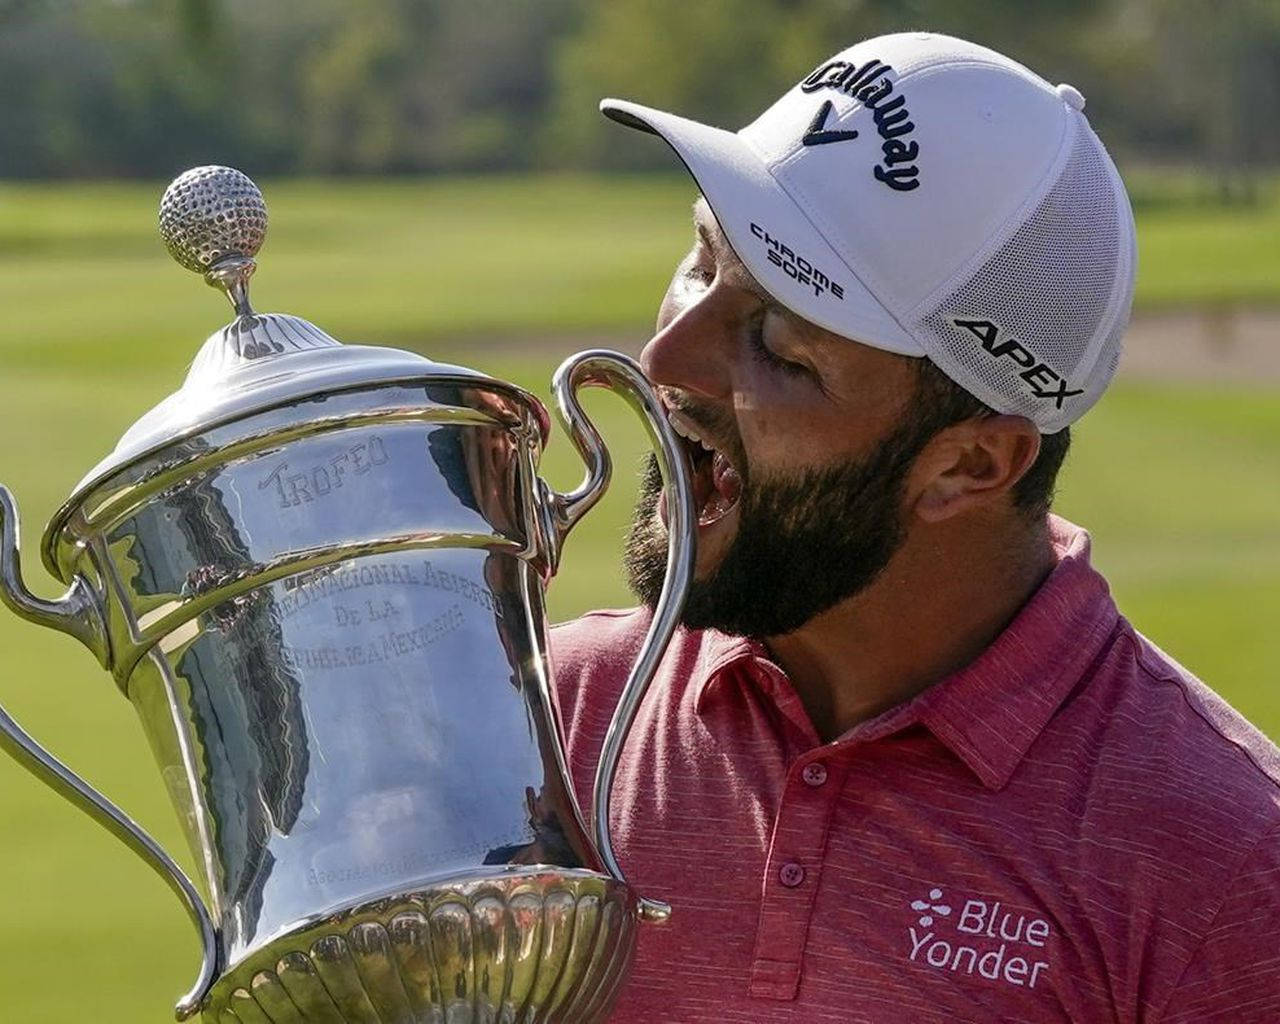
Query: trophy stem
point(231, 275)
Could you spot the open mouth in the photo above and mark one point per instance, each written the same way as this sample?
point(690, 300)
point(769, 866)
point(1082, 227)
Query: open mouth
point(717, 484)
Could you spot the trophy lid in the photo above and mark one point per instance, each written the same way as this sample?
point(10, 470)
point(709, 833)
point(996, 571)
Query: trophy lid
point(213, 221)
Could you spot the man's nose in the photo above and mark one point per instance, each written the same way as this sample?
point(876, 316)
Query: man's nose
point(690, 351)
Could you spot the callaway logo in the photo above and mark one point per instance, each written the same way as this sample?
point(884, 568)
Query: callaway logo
point(999, 945)
point(816, 136)
point(868, 85)
point(1044, 382)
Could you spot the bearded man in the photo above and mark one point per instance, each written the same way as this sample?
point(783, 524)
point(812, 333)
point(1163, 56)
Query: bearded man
point(904, 760)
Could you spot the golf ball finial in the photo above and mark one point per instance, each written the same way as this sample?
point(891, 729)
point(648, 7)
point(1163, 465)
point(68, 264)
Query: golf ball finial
point(213, 221)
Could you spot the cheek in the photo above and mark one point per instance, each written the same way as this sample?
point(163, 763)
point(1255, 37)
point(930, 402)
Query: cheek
point(786, 436)
point(786, 427)
point(781, 419)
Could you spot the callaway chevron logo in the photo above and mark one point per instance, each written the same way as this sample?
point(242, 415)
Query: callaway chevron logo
point(819, 135)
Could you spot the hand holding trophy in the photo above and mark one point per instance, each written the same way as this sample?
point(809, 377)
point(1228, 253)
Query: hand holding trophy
point(317, 571)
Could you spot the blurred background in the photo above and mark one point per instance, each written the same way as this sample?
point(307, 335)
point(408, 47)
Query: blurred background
point(438, 179)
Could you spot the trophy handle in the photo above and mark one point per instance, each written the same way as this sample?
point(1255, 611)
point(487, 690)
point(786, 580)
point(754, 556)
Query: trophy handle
point(621, 374)
point(77, 613)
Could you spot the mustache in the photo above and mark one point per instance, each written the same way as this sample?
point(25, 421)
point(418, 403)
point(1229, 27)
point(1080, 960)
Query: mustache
point(715, 424)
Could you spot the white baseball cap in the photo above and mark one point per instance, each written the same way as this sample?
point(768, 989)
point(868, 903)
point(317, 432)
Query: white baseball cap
point(931, 197)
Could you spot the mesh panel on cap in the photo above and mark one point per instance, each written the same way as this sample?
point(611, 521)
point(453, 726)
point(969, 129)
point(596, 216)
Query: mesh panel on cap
point(1054, 288)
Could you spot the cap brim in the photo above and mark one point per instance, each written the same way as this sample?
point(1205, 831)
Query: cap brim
point(749, 204)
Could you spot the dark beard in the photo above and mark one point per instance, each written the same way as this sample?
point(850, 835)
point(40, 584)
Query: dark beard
point(805, 542)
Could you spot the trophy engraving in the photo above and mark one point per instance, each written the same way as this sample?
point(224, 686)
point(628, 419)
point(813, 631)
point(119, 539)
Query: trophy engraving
point(317, 571)
point(317, 481)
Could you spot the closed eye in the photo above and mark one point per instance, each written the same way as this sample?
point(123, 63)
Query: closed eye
point(755, 336)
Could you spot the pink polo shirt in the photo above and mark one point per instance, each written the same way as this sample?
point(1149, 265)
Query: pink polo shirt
point(1073, 828)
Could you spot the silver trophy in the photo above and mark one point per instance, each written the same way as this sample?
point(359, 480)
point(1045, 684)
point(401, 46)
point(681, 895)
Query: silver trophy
point(317, 571)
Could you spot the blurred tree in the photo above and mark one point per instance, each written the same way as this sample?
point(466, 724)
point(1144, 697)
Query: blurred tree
point(456, 84)
point(201, 22)
point(724, 62)
point(713, 62)
point(129, 87)
point(353, 85)
point(1221, 66)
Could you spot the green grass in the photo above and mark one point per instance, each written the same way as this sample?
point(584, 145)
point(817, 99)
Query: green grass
point(1180, 486)
point(1207, 256)
point(408, 263)
point(413, 262)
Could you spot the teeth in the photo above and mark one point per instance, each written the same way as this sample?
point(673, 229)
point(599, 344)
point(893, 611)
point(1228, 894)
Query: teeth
point(685, 430)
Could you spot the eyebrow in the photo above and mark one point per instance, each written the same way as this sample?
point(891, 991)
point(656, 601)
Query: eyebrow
point(708, 238)
point(724, 253)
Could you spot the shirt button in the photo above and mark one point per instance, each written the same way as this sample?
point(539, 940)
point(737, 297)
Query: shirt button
point(791, 875)
point(815, 773)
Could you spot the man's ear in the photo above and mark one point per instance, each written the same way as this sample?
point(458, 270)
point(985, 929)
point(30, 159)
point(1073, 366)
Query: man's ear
point(973, 463)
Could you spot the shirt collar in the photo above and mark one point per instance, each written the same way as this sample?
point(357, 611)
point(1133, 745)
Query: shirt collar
point(990, 712)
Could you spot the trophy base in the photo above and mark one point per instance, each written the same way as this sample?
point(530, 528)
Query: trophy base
point(532, 946)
